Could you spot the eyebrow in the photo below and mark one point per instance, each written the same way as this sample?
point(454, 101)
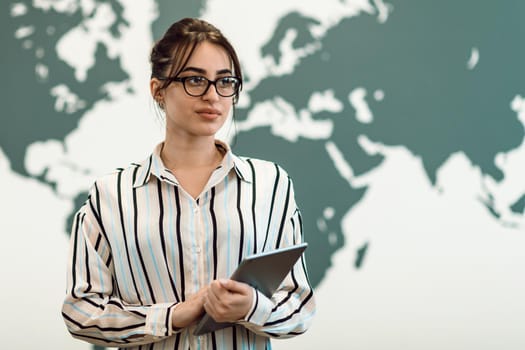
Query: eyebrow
point(203, 71)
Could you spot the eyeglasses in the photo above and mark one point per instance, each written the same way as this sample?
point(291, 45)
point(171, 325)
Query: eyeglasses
point(197, 86)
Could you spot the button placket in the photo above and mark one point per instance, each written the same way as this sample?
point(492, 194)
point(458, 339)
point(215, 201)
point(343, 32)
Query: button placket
point(199, 242)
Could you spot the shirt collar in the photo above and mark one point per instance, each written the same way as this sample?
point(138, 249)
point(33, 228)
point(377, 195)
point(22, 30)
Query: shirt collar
point(153, 165)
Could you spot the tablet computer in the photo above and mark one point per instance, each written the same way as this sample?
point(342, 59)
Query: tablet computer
point(264, 271)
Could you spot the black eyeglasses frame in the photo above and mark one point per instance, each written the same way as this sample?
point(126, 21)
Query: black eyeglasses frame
point(182, 80)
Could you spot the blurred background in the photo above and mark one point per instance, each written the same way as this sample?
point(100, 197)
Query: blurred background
point(400, 122)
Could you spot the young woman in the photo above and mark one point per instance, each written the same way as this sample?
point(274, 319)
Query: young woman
point(154, 244)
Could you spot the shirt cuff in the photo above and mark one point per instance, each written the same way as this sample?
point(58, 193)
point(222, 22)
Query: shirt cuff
point(254, 296)
point(158, 320)
point(261, 309)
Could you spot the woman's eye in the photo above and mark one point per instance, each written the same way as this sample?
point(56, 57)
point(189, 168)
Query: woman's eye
point(227, 82)
point(196, 81)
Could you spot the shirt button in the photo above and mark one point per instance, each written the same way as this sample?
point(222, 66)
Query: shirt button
point(163, 330)
point(198, 249)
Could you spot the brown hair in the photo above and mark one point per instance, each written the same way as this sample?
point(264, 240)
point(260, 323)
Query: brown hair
point(171, 53)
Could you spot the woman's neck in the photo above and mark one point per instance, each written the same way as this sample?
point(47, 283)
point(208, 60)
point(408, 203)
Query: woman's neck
point(178, 154)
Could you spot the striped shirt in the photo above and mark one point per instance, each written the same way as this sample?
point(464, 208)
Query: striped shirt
point(141, 244)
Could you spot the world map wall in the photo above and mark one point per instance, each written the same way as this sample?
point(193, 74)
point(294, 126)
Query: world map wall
point(401, 124)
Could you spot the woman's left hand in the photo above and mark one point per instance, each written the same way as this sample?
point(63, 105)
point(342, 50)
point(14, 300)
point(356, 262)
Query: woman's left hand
point(228, 300)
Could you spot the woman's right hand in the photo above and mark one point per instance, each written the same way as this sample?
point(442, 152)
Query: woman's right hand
point(190, 311)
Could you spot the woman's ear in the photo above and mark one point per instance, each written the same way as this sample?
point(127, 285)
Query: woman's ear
point(156, 92)
point(154, 87)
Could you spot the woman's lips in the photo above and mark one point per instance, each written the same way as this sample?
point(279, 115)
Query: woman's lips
point(209, 113)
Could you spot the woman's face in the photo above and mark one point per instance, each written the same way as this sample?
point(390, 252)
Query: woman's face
point(188, 116)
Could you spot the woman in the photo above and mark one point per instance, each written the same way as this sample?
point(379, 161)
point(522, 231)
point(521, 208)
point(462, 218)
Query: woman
point(154, 244)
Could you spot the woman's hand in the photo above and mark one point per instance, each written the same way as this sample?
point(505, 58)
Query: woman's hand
point(228, 300)
point(189, 311)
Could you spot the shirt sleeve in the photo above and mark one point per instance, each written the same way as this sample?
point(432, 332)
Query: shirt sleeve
point(92, 310)
point(291, 309)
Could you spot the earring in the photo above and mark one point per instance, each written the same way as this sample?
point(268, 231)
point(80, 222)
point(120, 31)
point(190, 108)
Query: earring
point(160, 102)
